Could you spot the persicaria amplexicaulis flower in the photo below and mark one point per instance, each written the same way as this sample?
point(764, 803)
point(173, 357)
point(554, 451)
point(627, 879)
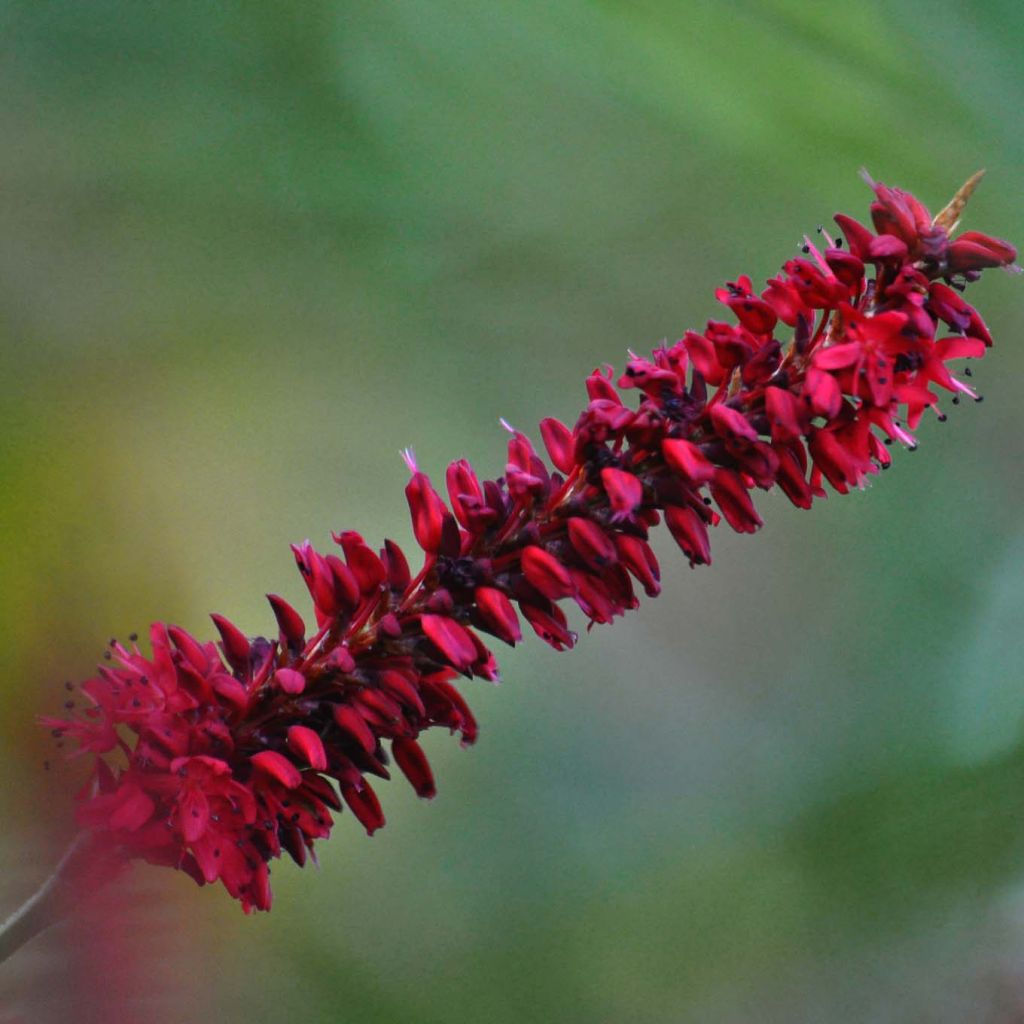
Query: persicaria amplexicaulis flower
point(215, 757)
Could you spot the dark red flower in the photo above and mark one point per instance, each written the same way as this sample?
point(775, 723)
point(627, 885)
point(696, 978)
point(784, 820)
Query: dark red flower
point(215, 759)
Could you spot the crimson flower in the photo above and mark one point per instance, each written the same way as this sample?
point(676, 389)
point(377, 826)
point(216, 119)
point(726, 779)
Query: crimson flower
point(214, 758)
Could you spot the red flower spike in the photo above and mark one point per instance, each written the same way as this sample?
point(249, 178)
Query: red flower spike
point(217, 761)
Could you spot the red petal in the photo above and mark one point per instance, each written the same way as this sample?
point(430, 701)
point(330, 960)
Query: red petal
point(307, 743)
point(350, 721)
point(193, 813)
point(732, 423)
point(133, 811)
point(734, 501)
point(364, 805)
point(625, 492)
point(838, 357)
point(498, 615)
point(234, 643)
point(822, 390)
point(428, 512)
point(690, 533)
point(858, 236)
point(289, 621)
point(687, 460)
point(546, 573)
point(278, 766)
point(549, 624)
point(401, 687)
point(190, 648)
point(784, 414)
point(415, 767)
point(450, 638)
point(560, 443)
point(290, 680)
point(591, 543)
point(638, 558)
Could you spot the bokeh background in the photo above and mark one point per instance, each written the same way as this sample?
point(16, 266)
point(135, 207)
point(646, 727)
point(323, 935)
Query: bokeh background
point(249, 251)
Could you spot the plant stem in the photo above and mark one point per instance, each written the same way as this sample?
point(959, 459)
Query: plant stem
point(52, 901)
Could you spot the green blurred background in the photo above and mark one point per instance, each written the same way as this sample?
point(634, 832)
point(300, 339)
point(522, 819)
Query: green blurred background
point(249, 251)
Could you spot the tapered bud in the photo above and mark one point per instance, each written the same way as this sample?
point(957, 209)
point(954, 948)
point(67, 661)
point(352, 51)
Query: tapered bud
point(367, 568)
point(344, 583)
point(456, 713)
point(785, 416)
point(398, 685)
point(975, 251)
point(190, 648)
point(731, 423)
point(546, 573)
point(560, 444)
point(234, 643)
point(687, 460)
point(734, 500)
point(498, 615)
point(277, 765)
point(399, 576)
point(451, 639)
point(289, 621)
point(379, 704)
point(858, 236)
point(591, 543)
point(637, 556)
point(690, 533)
point(549, 624)
point(427, 511)
point(351, 722)
point(363, 803)
point(467, 497)
point(308, 745)
point(830, 457)
point(415, 767)
point(625, 492)
point(290, 681)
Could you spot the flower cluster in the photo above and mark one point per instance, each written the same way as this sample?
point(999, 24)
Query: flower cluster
point(215, 758)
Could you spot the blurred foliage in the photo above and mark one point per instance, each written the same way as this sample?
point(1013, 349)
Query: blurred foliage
point(252, 250)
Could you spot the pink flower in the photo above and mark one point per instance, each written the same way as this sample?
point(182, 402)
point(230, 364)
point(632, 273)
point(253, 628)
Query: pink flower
point(215, 759)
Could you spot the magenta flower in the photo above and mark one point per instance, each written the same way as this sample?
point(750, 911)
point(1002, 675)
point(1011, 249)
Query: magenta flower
point(216, 758)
